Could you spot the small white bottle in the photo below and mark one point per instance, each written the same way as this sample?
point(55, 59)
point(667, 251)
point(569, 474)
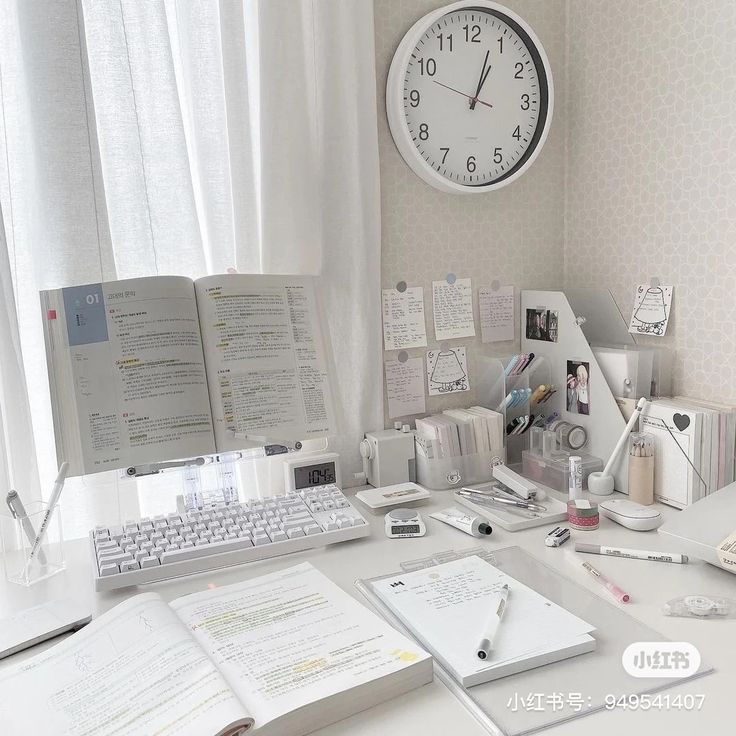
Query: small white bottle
point(575, 485)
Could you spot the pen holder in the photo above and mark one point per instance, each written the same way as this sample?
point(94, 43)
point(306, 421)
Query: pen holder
point(17, 537)
point(641, 468)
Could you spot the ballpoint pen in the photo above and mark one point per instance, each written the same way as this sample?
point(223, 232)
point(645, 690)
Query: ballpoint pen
point(620, 595)
point(55, 493)
point(504, 500)
point(483, 650)
point(18, 512)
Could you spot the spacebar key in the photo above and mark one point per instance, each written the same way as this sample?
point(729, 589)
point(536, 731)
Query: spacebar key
point(205, 550)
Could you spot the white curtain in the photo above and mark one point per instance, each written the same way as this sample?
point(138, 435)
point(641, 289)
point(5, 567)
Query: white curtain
point(144, 137)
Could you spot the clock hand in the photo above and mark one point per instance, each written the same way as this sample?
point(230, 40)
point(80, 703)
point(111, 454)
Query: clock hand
point(452, 89)
point(481, 79)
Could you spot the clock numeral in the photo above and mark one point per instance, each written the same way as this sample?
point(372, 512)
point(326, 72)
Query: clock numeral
point(472, 33)
point(525, 102)
point(519, 69)
point(444, 155)
point(445, 41)
point(497, 155)
point(428, 67)
point(414, 98)
point(470, 164)
point(500, 44)
point(423, 132)
point(517, 133)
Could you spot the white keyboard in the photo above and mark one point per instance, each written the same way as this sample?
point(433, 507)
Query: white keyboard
point(162, 547)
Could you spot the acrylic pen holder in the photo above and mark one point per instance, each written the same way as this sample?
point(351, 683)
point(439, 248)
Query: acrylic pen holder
point(18, 534)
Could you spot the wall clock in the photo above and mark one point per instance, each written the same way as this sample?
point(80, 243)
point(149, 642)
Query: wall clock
point(469, 97)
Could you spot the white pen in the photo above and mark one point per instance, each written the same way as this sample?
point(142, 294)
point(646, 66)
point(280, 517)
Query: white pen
point(631, 554)
point(494, 620)
point(18, 510)
point(55, 493)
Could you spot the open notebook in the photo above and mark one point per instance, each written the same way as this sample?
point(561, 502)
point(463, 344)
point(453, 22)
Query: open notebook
point(447, 606)
point(284, 654)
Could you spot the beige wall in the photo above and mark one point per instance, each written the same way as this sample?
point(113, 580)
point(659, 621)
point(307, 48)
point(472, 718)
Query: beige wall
point(514, 235)
point(651, 169)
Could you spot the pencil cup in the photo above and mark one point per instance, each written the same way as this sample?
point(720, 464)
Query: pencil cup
point(641, 468)
point(17, 537)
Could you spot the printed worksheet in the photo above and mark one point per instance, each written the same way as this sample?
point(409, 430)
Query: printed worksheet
point(453, 309)
point(403, 318)
point(496, 314)
point(405, 387)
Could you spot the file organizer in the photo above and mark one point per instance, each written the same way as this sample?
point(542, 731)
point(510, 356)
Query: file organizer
point(593, 676)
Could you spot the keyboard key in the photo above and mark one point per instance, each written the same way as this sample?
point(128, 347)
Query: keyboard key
point(149, 562)
point(129, 565)
point(278, 536)
point(208, 549)
point(312, 529)
point(293, 533)
point(109, 569)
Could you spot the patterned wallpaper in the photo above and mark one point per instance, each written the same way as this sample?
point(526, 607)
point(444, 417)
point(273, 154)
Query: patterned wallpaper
point(514, 235)
point(651, 169)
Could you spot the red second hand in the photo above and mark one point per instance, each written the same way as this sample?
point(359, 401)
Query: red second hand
point(470, 97)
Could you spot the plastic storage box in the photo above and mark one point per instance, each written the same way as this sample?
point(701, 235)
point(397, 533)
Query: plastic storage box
point(554, 471)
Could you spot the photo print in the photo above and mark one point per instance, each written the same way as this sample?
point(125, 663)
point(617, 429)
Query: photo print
point(578, 386)
point(541, 324)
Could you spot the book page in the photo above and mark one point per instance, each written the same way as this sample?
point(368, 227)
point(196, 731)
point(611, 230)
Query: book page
point(291, 638)
point(266, 358)
point(134, 671)
point(128, 381)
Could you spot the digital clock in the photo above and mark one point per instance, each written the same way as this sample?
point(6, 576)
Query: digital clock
point(404, 523)
point(310, 470)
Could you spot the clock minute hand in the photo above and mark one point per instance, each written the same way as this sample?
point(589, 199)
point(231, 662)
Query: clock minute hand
point(481, 79)
point(464, 94)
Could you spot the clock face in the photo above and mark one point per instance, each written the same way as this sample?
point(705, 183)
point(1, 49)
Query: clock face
point(470, 94)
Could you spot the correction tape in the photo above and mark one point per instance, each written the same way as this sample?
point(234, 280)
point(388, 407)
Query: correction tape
point(700, 606)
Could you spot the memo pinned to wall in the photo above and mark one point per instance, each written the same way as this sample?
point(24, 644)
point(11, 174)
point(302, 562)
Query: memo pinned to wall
point(652, 306)
point(452, 302)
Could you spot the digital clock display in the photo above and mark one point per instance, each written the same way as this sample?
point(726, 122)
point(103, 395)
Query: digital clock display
point(309, 476)
point(405, 529)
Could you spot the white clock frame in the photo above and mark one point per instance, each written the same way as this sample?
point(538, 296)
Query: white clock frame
point(395, 101)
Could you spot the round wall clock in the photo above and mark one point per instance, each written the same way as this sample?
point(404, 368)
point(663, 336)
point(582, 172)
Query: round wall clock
point(469, 97)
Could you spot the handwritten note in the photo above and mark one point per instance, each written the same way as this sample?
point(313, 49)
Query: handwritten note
point(404, 387)
point(453, 309)
point(496, 314)
point(651, 310)
point(447, 371)
point(403, 319)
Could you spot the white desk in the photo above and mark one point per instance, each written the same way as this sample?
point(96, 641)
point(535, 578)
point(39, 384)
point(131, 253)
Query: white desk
point(432, 709)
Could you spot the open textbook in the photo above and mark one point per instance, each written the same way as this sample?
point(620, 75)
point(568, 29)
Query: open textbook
point(285, 653)
point(160, 368)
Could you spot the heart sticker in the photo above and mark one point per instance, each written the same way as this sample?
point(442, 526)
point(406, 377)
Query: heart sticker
point(681, 421)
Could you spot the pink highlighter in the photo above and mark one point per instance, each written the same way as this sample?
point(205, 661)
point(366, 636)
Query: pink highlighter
point(612, 588)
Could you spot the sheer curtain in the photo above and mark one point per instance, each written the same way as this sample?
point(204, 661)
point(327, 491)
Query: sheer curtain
point(143, 137)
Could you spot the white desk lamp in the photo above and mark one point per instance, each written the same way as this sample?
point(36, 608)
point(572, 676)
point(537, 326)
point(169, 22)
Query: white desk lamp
point(601, 483)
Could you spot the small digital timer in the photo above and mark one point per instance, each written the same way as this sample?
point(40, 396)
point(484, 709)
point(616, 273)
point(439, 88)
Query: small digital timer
point(404, 523)
point(310, 470)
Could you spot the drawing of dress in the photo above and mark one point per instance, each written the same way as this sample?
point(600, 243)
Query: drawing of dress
point(448, 372)
point(651, 314)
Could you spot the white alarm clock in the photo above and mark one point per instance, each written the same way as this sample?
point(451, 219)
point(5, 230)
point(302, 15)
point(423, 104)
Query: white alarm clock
point(308, 471)
point(469, 97)
point(404, 523)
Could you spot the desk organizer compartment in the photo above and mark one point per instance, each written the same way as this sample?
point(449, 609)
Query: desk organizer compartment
point(554, 472)
point(448, 473)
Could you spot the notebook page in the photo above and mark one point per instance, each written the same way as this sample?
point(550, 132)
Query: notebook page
point(448, 606)
point(291, 638)
point(133, 671)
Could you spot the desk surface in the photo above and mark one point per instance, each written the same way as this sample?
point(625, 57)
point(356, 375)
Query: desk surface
point(432, 709)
